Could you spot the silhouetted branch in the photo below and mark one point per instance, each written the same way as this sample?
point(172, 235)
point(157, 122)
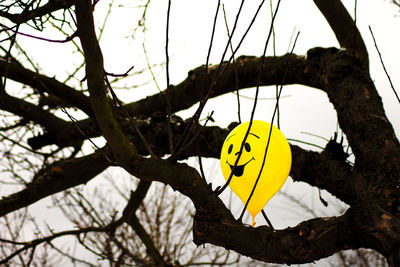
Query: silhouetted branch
point(47, 85)
point(188, 92)
point(55, 178)
point(36, 242)
point(370, 186)
point(383, 65)
point(362, 118)
point(38, 12)
point(344, 27)
point(122, 149)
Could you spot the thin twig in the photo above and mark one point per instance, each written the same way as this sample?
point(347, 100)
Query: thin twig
point(383, 65)
point(119, 75)
point(278, 118)
point(270, 131)
point(254, 108)
point(304, 142)
point(219, 72)
point(168, 96)
point(69, 38)
point(234, 67)
point(8, 55)
point(266, 218)
point(130, 118)
point(212, 35)
point(34, 243)
point(74, 121)
point(151, 70)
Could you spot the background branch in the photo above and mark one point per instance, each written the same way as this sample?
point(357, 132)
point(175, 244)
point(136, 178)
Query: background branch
point(38, 12)
point(55, 178)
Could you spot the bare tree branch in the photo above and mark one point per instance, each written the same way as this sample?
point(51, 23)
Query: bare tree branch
point(41, 11)
point(134, 222)
point(188, 92)
point(362, 118)
point(45, 84)
point(122, 149)
point(36, 242)
point(370, 187)
point(344, 27)
point(55, 178)
point(324, 170)
point(308, 241)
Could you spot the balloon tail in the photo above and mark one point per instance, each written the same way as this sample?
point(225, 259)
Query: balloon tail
point(254, 222)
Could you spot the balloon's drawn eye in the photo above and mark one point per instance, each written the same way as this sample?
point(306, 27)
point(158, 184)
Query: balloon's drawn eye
point(247, 147)
point(230, 149)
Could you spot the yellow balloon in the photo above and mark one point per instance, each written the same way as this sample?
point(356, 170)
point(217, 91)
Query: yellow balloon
point(275, 169)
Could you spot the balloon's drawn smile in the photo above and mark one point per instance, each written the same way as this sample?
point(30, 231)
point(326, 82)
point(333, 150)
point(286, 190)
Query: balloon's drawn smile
point(239, 169)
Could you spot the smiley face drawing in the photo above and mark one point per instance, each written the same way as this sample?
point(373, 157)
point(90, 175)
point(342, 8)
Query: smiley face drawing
point(274, 170)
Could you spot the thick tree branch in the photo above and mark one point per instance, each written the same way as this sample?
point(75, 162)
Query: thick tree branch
point(122, 149)
point(44, 84)
point(31, 112)
point(188, 92)
point(344, 27)
point(362, 118)
point(57, 130)
point(310, 240)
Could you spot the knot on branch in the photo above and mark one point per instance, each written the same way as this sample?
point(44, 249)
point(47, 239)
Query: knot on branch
point(333, 65)
point(203, 225)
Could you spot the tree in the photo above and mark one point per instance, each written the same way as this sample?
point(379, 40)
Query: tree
point(147, 140)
